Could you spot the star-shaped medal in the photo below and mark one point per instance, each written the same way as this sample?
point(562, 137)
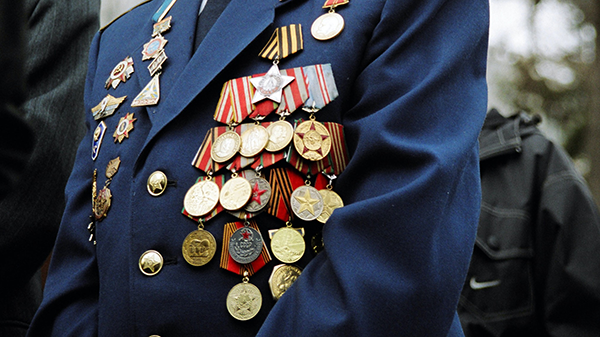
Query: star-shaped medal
point(270, 85)
point(153, 47)
point(120, 73)
point(124, 127)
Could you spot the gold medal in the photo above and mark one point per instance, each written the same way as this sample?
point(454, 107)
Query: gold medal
point(225, 147)
point(307, 203)
point(288, 245)
point(312, 140)
point(244, 300)
point(199, 247)
point(281, 134)
point(282, 278)
point(201, 198)
point(102, 203)
point(235, 193)
point(331, 201)
point(254, 141)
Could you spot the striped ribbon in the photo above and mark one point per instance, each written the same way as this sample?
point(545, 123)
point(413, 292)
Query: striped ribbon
point(235, 102)
point(296, 93)
point(321, 85)
point(228, 263)
point(202, 159)
point(285, 41)
point(284, 181)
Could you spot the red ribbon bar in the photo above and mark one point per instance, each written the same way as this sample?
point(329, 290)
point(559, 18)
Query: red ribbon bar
point(296, 93)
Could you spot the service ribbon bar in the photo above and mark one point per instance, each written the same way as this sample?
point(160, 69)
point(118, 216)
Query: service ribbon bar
point(338, 156)
point(285, 41)
point(228, 263)
point(235, 102)
point(321, 85)
point(296, 93)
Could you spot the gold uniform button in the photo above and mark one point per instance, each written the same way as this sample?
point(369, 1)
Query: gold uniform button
point(157, 183)
point(151, 262)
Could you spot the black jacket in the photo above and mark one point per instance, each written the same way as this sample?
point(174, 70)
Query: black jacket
point(535, 269)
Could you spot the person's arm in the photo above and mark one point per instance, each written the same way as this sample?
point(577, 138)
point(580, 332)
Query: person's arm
point(567, 250)
point(397, 253)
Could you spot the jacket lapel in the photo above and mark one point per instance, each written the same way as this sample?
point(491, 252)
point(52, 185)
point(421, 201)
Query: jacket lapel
point(240, 23)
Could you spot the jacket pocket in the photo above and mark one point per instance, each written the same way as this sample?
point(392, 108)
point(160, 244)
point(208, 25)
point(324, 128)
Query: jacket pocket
point(499, 284)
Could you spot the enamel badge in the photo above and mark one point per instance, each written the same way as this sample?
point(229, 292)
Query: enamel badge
point(125, 126)
point(270, 85)
point(98, 136)
point(107, 106)
point(149, 95)
point(120, 73)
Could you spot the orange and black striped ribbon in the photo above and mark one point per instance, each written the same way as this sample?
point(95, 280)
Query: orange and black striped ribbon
point(285, 41)
point(228, 263)
point(283, 182)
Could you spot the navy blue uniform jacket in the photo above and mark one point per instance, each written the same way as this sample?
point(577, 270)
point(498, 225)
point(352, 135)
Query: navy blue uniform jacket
point(412, 99)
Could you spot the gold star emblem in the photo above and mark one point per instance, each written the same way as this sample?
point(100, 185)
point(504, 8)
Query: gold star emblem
point(306, 202)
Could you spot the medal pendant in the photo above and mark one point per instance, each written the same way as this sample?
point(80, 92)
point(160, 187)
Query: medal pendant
point(225, 147)
point(102, 203)
point(244, 301)
point(331, 201)
point(281, 134)
point(201, 198)
point(282, 278)
point(153, 47)
point(261, 193)
point(288, 245)
point(245, 245)
point(307, 203)
point(327, 26)
point(199, 247)
point(254, 141)
point(270, 85)
point(312, 140)
point(124, 127)
point(235, 193)
point(120, 73)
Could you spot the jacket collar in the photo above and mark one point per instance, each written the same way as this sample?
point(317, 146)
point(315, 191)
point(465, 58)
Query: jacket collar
point(499, 136)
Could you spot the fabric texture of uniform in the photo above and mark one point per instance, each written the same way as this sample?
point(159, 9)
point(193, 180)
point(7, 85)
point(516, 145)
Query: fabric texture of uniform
point(412, 99)
point(534, 270)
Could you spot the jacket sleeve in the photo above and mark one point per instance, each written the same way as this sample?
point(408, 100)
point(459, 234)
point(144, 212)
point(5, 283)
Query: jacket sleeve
point(568, 244)
point(70, 305)
point(397, 253)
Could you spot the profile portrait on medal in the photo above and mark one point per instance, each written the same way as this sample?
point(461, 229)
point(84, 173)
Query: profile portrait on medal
point(199, 248)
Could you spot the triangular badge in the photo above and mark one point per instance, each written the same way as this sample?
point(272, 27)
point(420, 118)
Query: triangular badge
point(149, 95)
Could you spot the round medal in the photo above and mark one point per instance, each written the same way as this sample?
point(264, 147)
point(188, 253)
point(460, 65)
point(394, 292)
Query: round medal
point(288, 245)
point(254, 141)
point(280, 135)
point(261, 193)
point(307, 203)
point(235, 193)
point(245, 245)
point(199, 247)
point(331, 201)
point(312, 140)
point(327, 26)
point(201, 198)
point(282, 278)
point(225, 147)
point(244, 301)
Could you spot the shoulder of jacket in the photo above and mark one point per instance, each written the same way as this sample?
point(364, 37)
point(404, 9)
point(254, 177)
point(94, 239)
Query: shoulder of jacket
point(127, 11)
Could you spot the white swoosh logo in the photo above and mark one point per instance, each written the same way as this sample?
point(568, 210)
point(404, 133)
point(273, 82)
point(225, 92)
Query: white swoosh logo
point(482, 285)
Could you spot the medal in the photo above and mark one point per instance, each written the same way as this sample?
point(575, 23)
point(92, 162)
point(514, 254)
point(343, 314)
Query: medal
point(331, 200)
point(201, 198)
point(107, 106)
point(261, 193)
point(254, 140)
point(157, 63)
point(225, 146)
point(161, 26)
point(97, 141)
point(307, 203)
point(270, 85)
point(329, 25)
point(281, 134)
point(153, 47)
point(245, 245)
point(312, 140)
point(102, 200)
point(244, 300)
point(120, 73)
point(124, 127)
point(235, 193)
point(287, 244)
point(282, 278)
point(149, 95)
point(199, 247)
